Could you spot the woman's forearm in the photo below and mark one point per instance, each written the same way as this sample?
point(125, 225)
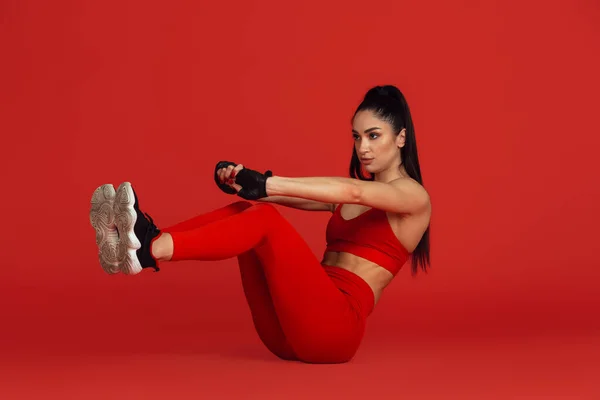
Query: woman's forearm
point(298, 203)
point(322, 189)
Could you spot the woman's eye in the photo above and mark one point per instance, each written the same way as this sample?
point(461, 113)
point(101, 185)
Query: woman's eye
point(373, 136)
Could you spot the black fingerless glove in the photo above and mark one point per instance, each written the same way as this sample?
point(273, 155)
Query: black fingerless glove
point(253, 183)
point(224, 187)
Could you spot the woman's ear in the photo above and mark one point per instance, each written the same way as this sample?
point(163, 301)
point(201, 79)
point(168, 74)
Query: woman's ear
point(401, 139)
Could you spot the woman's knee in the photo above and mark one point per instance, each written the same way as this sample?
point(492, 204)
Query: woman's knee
point(262, 207)
point(268, 212)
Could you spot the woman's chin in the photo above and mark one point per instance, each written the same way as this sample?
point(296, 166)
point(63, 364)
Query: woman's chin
point(369, 168)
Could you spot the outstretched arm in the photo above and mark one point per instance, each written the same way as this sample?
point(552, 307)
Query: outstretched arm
point(404, 196)
point(400, 196)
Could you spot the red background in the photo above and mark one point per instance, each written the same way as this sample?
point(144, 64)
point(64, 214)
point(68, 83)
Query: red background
point(504, 99)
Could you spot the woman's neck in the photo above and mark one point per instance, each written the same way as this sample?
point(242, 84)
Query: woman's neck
point(391, 174)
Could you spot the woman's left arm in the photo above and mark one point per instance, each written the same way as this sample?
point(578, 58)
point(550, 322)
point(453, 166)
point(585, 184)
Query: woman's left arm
point(401, 195)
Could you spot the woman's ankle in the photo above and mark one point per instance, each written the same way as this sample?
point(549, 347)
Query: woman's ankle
point(162, 247)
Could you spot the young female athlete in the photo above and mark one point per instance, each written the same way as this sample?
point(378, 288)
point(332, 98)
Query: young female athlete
point(303, 309)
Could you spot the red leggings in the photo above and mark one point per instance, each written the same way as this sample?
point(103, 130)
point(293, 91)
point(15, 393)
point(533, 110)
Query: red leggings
point(302, 310)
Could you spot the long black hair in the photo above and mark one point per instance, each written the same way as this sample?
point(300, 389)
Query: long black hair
point(389, 104)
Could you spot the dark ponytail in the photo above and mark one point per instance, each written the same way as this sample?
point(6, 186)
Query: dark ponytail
point(390, 105)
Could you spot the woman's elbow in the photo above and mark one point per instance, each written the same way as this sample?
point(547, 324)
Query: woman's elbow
point(353, 194)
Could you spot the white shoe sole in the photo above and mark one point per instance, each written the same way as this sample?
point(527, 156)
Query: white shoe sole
point(125, 218)
point(102, 218)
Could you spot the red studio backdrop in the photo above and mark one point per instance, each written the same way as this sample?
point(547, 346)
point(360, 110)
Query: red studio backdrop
point(504, 97)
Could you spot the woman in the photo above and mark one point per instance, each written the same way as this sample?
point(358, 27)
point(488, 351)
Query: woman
point(303, 309)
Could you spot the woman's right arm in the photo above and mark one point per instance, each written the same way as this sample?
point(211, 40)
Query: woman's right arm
point(298, 203)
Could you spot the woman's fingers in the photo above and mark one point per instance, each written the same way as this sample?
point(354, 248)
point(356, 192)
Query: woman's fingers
point(227, 175)
point(231, 172)
point(223, 175)
point(228, 172)
point(237, 169)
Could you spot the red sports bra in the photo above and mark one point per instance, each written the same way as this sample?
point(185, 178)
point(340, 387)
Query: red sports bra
point(369, 236)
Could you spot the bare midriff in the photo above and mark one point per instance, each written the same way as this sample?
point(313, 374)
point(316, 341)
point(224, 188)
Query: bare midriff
point(374, 275)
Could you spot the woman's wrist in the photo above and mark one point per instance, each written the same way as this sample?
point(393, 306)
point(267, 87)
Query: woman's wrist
point(273, 186)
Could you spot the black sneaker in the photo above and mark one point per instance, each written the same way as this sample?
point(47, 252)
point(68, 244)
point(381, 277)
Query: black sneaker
point(136, 232)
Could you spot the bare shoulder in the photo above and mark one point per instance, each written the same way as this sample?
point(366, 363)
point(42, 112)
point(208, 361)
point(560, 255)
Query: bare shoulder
point(409, 227)
point(411, 186)
point(408, 182)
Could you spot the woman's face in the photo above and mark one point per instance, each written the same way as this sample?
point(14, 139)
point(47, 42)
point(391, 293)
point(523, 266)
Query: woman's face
point(376, 143)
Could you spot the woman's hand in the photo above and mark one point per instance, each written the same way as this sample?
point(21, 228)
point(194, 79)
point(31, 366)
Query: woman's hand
point(227, 176)
point(246, 183)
